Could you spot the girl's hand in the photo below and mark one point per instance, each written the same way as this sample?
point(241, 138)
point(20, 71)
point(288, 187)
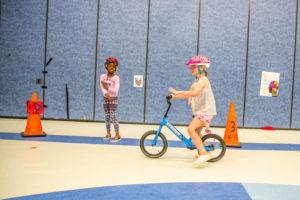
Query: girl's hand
point(172, 90)
point(189, 101)
point(173, 96)
point(109, 98)
point(104, 85)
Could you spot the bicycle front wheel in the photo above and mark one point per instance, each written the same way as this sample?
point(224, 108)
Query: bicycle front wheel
point(151, 148)
point(217, 146)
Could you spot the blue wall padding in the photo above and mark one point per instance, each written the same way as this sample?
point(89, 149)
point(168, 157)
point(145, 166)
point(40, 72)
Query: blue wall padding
point(123, 35)
point(71, 42)
point(172, 42)
point(271, 49)
point(78, 60)
point(22, 35)
point(223, 39)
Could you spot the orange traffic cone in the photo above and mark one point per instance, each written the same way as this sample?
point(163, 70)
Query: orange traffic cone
point(231, 137)
point(34, 124)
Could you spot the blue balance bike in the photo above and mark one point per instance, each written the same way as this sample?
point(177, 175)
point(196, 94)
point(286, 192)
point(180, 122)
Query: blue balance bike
point(154, 144)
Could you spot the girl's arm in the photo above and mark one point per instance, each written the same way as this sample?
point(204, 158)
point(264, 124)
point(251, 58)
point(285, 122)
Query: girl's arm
point(177, 96)
point(104, 90)
point(115, 90)
point(185, 94)
point(190, 98)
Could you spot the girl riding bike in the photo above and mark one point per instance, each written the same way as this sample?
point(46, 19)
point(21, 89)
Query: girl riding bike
point(203, 104)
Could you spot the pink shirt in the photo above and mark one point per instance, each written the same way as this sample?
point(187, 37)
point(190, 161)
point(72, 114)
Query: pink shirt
point(113, 84)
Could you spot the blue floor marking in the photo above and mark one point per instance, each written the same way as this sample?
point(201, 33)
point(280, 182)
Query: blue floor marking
point(135, 142)
point(174, 191)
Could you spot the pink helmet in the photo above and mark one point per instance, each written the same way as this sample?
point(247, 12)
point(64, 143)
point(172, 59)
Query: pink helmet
point(199, 60)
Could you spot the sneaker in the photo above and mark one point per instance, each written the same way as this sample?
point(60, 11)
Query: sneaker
point(208, 131)
point(116, 139)
point(202, 159)
point(107, 137)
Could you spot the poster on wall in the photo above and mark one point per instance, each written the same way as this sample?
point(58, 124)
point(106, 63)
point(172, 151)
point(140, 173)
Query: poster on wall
point(269, 84)
point(138, 81)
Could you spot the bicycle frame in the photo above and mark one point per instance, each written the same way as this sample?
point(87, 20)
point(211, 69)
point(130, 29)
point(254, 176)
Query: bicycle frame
point(188, 142)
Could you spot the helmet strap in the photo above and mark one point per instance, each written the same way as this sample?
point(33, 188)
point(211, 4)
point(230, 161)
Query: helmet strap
point(200, 72)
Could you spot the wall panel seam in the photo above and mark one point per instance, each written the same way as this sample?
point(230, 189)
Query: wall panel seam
point(45, 55)
point(198, 35)
point(246, 64)
point(96, 61)
point(146, 62)
point(294, 64)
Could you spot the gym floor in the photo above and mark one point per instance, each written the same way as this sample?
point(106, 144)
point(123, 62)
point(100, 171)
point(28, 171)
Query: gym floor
point(74, 162)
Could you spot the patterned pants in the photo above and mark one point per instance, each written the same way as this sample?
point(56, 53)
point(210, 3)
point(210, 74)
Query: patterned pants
point(110, 110)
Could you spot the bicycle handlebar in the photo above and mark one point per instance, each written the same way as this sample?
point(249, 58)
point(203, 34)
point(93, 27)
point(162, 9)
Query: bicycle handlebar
point(169, 97)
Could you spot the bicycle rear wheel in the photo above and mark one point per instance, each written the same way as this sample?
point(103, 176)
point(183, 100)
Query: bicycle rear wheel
point(153, 150)
point(217, 146)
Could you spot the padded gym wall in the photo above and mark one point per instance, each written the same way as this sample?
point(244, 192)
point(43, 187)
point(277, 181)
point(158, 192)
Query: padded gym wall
point(173, 34)
point(123, 35)
point(22, 36)
point(295, 123)
point(271, 49)
point(72, 27)
point(172, 42)
point(223, 39)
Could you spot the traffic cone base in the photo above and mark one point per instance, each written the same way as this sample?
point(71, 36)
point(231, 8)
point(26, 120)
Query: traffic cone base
point(231, 137)
point(38, 135)
point(236, 146)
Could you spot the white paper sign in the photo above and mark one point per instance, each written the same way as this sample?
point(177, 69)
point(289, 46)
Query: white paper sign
point(138, 81)
point(266, 79)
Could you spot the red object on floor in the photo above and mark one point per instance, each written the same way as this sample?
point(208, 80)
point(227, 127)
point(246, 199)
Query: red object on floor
point(270, 128)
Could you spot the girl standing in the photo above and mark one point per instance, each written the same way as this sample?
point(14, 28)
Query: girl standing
point(110, 84)
point(203, 104)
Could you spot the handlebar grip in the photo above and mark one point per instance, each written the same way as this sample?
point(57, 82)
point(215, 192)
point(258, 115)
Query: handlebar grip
point(168, 98)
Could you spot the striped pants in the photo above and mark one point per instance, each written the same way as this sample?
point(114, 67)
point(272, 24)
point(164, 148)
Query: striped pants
point(110, 110)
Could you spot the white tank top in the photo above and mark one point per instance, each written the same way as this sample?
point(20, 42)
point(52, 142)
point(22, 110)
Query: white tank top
point(204, 103)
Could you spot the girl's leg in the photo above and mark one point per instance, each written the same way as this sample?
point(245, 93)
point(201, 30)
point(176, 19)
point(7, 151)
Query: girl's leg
point(207, 126)
point(207, 129)
point(203, 154)
point(107, 117)
point(114, 120)
point(193, 129)
point(198, 131)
